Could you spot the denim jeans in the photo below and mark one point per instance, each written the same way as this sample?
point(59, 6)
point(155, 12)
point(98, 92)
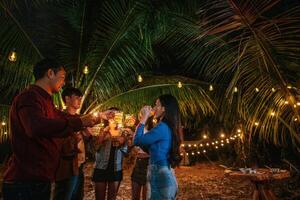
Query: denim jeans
point(162, 182)
point(26, 191)
point(65, 189)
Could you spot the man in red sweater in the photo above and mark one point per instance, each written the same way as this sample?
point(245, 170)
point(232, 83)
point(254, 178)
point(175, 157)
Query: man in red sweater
point(35, 126)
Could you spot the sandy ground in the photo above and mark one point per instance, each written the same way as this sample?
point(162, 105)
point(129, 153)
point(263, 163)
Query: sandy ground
point(203, 181)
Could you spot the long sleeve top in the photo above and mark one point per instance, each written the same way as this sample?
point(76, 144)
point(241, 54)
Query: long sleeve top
point(158, 140)
point(36, 126)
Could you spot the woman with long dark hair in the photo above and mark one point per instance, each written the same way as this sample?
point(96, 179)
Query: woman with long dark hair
point(163, 142)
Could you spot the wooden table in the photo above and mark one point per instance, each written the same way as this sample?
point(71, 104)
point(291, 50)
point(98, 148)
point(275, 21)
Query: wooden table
point(261, 181)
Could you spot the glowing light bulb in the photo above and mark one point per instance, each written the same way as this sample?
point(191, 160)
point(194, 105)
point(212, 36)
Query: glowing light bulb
point(289, 86)
point(235, 89)
point(273, 90)
point(179, 84)
point(211, 88)
point(204, 136)
point(3, 123)
point(222, 135)
point(12, 56)
point(256, 123)
point(140, 78)
point(85, 69)
point(256, 90)
point(204, 151)
point(272, 113)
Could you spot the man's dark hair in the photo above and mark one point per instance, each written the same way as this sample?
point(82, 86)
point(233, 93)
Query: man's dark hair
point(40, 68)
point(69, 91)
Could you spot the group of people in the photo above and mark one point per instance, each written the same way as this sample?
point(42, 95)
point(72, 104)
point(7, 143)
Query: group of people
point(49, 145)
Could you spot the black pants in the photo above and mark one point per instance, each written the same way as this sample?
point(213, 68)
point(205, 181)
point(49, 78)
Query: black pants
point(26, 191)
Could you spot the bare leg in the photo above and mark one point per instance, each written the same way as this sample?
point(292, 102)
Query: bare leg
point(100, 190)
point(136, 190)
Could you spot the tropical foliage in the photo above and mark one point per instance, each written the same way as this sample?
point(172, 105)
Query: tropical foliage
point(251, 47)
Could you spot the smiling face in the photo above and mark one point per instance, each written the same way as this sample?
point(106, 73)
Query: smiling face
point(56, 80)
point(158, 109)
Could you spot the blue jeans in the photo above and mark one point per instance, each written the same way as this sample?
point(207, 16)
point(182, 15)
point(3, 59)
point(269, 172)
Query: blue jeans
point(26, 191)
point(65, 189)
point(163, 184)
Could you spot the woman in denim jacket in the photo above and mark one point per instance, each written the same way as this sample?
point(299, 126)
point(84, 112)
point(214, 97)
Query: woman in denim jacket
point(163, 142)
point(108, 172)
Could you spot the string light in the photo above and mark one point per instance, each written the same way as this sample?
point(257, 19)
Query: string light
point(198, 152)
point(273, 90)
point(256, 90)
point(5, 133)
point(235, 89)
point(222, 135)
point(140, 78)
point(179, 84)
point(256, 123)
point(296, 119)
point(12, 56)
point(239, 130)
point(289, 86)
point(272, 113)
point(3, 123)
point(286, 102)
point(85, 69)
point(207, 144)
point(189, 145)
point(211, 88)
point(204, 136)
point(204, 151)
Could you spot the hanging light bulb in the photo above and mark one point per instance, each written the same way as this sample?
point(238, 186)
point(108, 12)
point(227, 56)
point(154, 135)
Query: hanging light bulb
point(235, 89)
point(222, 135)
point(85, 69)
point(12, 56)
point(256, 90)
point(3, 123)
point(204, 136)
point(273, 90)
point(272, 113)
point(211, 88)
point(140, 78)
point(5, 133)
point(179, 85)
point(204, 151)
point(295, 119)
point(239, 130)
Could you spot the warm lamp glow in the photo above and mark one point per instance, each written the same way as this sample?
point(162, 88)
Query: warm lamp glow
point(211, 88)
point(85, 69)
point(235, 89)
point(140, 78)
point(12, 56)
point(179, 85)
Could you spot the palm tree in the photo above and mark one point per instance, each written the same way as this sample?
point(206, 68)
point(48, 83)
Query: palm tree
point(109, 40)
